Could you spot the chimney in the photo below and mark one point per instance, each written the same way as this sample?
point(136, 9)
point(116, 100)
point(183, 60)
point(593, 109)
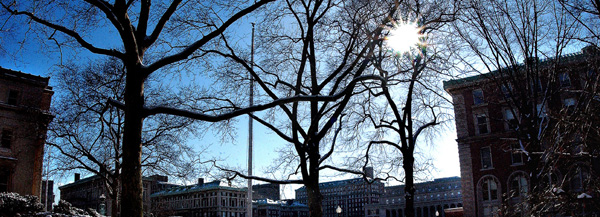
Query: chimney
point(590, 50)
point(77, 176)
point(369, 172)
point(531, 60)
point(200, 181)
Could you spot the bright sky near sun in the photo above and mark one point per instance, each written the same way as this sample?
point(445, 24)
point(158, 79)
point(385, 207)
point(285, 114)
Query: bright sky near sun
point(443, 151)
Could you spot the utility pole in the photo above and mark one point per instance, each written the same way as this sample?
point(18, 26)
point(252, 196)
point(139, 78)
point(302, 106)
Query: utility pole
point(250, 131)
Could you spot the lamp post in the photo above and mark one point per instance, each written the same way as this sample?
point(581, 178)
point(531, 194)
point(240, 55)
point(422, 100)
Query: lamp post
point(338, 210)
point(102, 207)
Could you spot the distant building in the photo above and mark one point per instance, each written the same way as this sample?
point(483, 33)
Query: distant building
point(430, 197)
point(24, 118)
point(279, 208)
point(266, 191)
point(202, 199)
point(85, 193)
point(352, 195)
point(47, 184)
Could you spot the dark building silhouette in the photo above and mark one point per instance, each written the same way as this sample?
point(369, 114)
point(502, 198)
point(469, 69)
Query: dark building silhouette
point(47, 197)
point(86, 193)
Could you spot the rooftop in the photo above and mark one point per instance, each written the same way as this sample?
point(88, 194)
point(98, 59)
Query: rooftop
point(195, 188)
point(564, 58)
point(21, 76)
point(338, 183)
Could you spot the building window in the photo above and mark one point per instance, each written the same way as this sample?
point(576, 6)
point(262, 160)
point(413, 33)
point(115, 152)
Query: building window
point(569, 104)
point(490, 211)
point(516, 155)
point(4, 177)
point(579, 177)
point(518, 186)
point(564, 79)
point(486, 158)
point(13, 97)
point(490, 197)
point(490, 189)
point(478, 97)
point(481, 122)
point(6, 138)
point(511, 121)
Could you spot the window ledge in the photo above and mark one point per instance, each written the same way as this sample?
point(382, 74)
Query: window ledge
point(3, 149)
point(517, 164)
point(489, 168)
point(479, 105)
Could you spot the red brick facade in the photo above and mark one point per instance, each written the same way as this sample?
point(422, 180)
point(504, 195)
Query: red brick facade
point(491, 169)
point(24, 117)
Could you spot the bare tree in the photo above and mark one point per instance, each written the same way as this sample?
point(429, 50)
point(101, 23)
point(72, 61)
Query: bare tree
point(313, 56)
point(412, 102)
point(88, 132)
point(171, 33)
point(586, 13)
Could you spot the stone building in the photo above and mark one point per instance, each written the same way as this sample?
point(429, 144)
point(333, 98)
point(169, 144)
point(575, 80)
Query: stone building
point(202, 200)
point(266, 191)
point(86, 193)
point(494, 169)
point(351, 195)
point(278, 208)
point(24, 118)
point(430, 197)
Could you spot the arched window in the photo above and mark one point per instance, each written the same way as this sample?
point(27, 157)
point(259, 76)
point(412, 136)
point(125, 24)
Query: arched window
point(489, 196)
point(579, 176)
point(489, 189)
point(518, 186)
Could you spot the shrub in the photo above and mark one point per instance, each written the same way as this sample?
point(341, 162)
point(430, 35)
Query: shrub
point(13, 204)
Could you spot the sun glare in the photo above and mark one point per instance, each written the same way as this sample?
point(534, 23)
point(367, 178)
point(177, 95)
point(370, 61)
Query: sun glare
point(404, 36)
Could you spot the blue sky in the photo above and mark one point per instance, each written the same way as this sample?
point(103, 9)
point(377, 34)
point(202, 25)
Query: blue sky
point(33, 59)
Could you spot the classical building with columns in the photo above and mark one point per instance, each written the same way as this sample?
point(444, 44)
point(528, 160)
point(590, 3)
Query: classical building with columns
point(430, 197)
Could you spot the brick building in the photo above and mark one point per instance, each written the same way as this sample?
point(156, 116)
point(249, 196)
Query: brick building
point(201, 199)
point(494, 170)
point(352, 195)
point(24, 118)
point(436, 195)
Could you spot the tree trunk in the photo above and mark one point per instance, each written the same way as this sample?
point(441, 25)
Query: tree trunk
point(114, 209)
point(315, 198)
point(131, 176)
point(409, 187)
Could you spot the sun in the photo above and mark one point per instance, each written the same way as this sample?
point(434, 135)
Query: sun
point(404, 36)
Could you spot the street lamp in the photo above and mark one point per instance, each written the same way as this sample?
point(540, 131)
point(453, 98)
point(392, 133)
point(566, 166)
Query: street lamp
point(102, 208)
point(437, 213)
point(338, 210)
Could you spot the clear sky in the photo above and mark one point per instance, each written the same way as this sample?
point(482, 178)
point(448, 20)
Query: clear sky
point(31, 59)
